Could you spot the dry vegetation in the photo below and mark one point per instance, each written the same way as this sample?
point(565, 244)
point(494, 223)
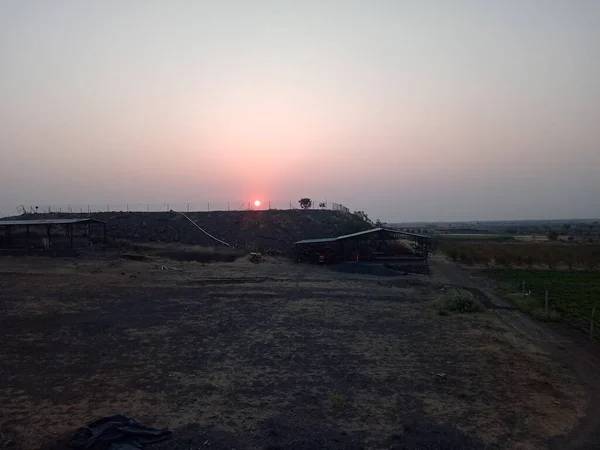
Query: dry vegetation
point(270, 355)
point(523, 254)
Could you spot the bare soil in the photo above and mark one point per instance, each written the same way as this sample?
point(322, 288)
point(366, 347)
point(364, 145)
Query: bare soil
point(271, 355)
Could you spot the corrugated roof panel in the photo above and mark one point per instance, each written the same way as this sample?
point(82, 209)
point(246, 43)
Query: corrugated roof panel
point(360, 233)
point(315, 241)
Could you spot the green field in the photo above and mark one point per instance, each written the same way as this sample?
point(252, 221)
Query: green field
point(477, 237)
point(572, 294)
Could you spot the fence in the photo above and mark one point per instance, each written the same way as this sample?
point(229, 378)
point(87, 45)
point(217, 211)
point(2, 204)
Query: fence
point(241, 205)
point(549, 303)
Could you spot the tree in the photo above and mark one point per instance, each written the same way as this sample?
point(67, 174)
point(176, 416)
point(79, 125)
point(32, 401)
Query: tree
point(322, 205)
point(553, 235)
point(361, 215)
point(305, 203)
point(355, 222)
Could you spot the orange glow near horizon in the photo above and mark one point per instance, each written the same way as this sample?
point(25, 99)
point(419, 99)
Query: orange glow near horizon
point(257, 203)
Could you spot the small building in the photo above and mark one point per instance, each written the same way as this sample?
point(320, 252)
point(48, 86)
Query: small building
point(47, 234)
point(384, 245)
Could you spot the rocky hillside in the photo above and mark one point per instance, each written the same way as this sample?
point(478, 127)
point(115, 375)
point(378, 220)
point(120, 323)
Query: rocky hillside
point(261, 230)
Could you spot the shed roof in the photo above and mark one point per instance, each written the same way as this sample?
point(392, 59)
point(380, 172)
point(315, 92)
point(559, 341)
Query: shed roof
point(360, 233)
point(6, 223)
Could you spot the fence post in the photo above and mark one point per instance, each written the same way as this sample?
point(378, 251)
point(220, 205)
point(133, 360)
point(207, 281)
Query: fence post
point(227, 206)
point(592, 323)
point(546, 303)
point(208, 206)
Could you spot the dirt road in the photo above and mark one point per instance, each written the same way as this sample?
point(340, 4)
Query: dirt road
point(568, 348)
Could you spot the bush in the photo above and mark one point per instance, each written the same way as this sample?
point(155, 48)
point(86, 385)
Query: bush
point(452, 252)
point(459, 301)
point(465, 258)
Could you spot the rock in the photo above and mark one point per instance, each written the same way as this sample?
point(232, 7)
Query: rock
point(441, 377)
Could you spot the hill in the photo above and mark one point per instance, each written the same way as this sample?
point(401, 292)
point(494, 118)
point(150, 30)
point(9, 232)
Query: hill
point(261, 230)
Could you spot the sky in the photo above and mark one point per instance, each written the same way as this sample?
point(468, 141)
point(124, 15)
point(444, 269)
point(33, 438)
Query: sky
point(409, 110)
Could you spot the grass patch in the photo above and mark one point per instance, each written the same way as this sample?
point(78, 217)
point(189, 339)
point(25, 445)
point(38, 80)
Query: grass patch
point(571, 294)
point(337, 400)
point(458, 301)
point(535, 307)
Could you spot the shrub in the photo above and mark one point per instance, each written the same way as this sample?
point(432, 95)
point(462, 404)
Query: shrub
point(452, 252)
point(465, 258)
point(501, 260)
point(459, 301)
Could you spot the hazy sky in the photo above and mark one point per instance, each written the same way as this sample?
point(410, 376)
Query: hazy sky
point(409, 110)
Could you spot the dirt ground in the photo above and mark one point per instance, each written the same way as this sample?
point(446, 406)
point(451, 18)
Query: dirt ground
point(274, 356)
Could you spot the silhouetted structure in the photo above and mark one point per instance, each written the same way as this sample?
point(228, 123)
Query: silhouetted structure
point(25, 234)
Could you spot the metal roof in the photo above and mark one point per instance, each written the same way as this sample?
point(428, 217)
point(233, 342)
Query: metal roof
point(6, 223)
point(315, 241)
point(360, 233)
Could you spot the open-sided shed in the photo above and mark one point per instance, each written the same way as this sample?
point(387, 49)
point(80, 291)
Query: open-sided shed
point(375, 244)
point(41, 232)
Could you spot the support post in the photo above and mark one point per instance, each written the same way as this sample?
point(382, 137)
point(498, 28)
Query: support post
point(48, 235)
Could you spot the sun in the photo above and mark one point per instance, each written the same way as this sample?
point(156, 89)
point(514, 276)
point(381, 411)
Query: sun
point(257, 203)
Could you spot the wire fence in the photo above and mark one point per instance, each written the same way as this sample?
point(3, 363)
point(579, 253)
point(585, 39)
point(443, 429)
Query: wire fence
point(241, 205)
point(575, 305)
